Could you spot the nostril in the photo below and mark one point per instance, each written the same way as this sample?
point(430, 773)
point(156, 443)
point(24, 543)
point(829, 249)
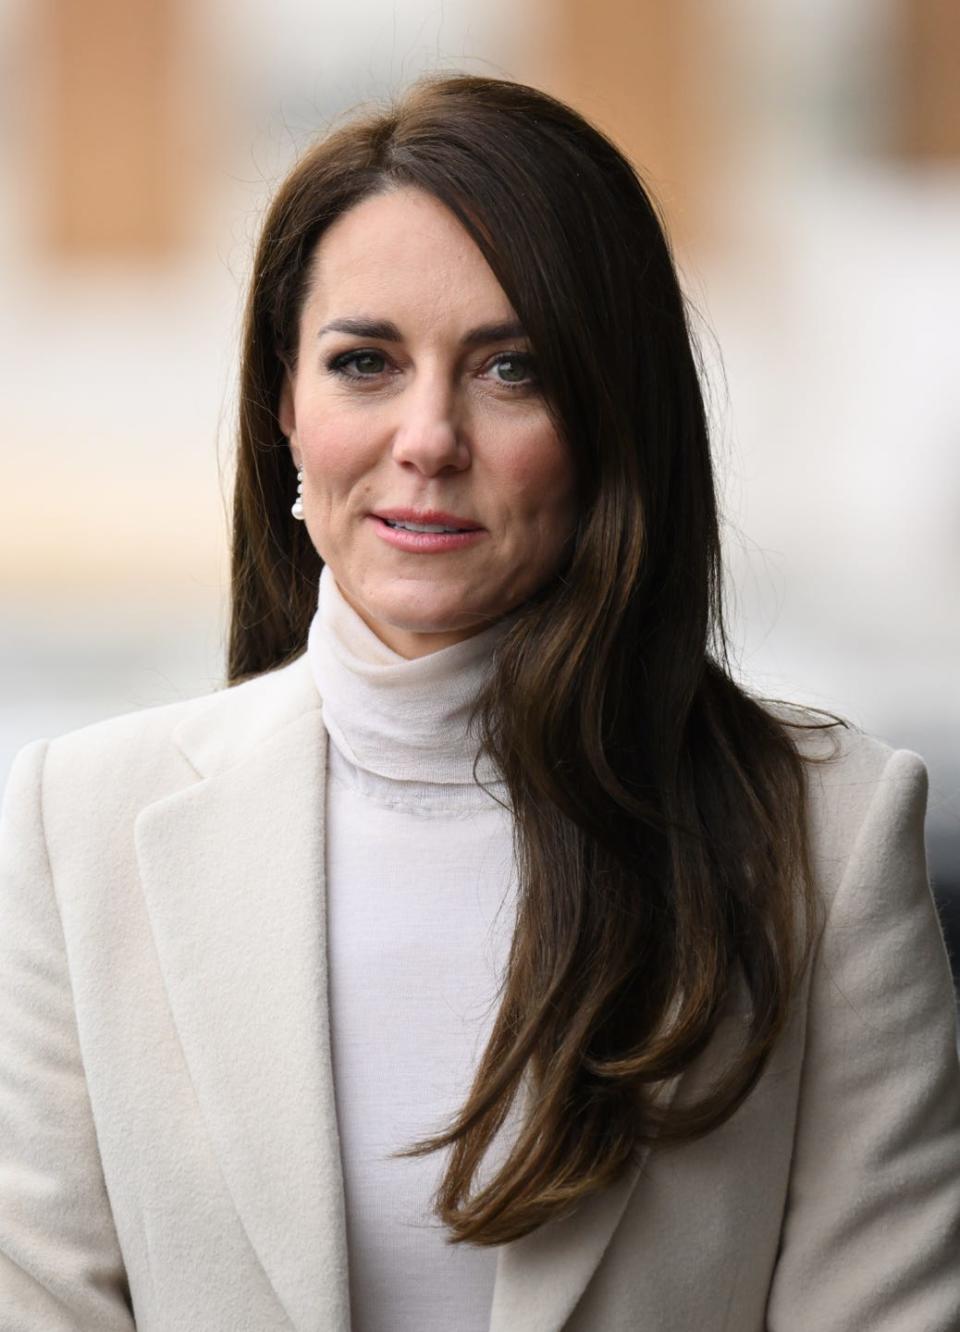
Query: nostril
point(431, 452)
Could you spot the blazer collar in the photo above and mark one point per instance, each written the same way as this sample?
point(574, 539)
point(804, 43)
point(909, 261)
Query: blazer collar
point(227, 727)
point(232, 869)
point(232, 875)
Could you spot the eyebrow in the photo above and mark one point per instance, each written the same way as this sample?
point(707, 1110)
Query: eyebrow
point(385, 331)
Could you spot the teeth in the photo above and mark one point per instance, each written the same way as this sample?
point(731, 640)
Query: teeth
point(421, 527)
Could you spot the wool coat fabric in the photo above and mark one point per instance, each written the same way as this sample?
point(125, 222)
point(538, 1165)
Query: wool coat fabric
point(168, 1138)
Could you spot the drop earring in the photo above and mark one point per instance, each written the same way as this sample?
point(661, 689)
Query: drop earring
point(297, 507)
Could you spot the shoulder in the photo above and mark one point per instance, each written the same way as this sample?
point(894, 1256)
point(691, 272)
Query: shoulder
point(864, 798)
point(139, 756)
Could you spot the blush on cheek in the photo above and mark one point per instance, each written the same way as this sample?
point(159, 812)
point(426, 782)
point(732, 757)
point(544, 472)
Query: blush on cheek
point(329, 454)
point(536, 460)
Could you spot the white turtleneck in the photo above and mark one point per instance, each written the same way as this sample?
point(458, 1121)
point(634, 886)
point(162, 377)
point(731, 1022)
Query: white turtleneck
point(420, 909)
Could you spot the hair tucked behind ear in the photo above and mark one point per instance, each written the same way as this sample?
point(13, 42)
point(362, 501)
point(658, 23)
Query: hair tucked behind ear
point(658, 810)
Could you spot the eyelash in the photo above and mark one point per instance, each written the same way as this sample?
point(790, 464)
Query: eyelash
point(338, 365)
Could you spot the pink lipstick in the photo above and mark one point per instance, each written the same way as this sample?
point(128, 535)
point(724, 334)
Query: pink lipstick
point(424, 531)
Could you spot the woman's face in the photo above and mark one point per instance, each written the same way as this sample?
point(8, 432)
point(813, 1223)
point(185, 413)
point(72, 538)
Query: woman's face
point(415, 399)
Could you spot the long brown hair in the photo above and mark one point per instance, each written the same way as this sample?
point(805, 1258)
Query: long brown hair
point(658, 809)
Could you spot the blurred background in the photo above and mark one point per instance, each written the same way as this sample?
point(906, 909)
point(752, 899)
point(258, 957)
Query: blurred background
point(806, 154)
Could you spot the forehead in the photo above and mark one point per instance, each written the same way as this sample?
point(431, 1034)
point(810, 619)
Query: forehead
point(404, 250)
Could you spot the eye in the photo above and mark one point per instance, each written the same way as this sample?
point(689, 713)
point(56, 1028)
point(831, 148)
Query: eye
point(362, 364)
point(514, 369)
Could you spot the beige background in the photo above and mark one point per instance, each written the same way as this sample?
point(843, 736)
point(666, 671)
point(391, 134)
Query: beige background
point(807, 154)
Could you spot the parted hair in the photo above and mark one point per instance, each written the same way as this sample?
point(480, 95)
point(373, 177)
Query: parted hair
point(658, 808)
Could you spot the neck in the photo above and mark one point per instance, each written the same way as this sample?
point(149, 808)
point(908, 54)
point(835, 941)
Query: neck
point(408, 719)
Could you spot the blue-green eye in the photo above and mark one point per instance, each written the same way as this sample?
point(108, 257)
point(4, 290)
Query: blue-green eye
point(514, 369)
point(359, 364)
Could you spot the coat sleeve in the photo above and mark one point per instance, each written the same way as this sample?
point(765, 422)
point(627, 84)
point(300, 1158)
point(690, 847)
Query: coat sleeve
point(60, 1262)
point(871, 1233)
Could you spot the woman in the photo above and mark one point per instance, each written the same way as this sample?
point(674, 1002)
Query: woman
point(484, 853)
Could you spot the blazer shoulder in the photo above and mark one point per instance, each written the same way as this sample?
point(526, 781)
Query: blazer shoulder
point(838, 755)
point(141, 755)
point(852, 781)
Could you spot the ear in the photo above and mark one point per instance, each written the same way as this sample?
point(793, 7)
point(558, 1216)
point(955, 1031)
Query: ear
point(287, 415)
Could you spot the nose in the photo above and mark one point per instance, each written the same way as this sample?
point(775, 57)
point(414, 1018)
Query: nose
point(429, 435)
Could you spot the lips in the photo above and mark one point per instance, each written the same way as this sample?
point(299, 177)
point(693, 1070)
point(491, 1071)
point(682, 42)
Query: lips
point(423, 532)
point(434, 517)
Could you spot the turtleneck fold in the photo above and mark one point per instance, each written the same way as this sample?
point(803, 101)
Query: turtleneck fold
point(399, 718)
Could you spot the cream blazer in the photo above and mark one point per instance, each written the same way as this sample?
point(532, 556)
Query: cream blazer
point(168, 1138)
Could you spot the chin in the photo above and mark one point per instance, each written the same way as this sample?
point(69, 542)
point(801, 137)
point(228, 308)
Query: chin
point(420, 622)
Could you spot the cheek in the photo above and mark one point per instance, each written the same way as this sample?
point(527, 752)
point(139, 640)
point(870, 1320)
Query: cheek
point(333, 449)
point(540, 474)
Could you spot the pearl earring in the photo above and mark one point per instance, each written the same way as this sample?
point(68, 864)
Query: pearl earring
point(297, 506)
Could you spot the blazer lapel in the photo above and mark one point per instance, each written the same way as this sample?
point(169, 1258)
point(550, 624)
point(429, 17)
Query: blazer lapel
point(541, 1277)
point(233, 876)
